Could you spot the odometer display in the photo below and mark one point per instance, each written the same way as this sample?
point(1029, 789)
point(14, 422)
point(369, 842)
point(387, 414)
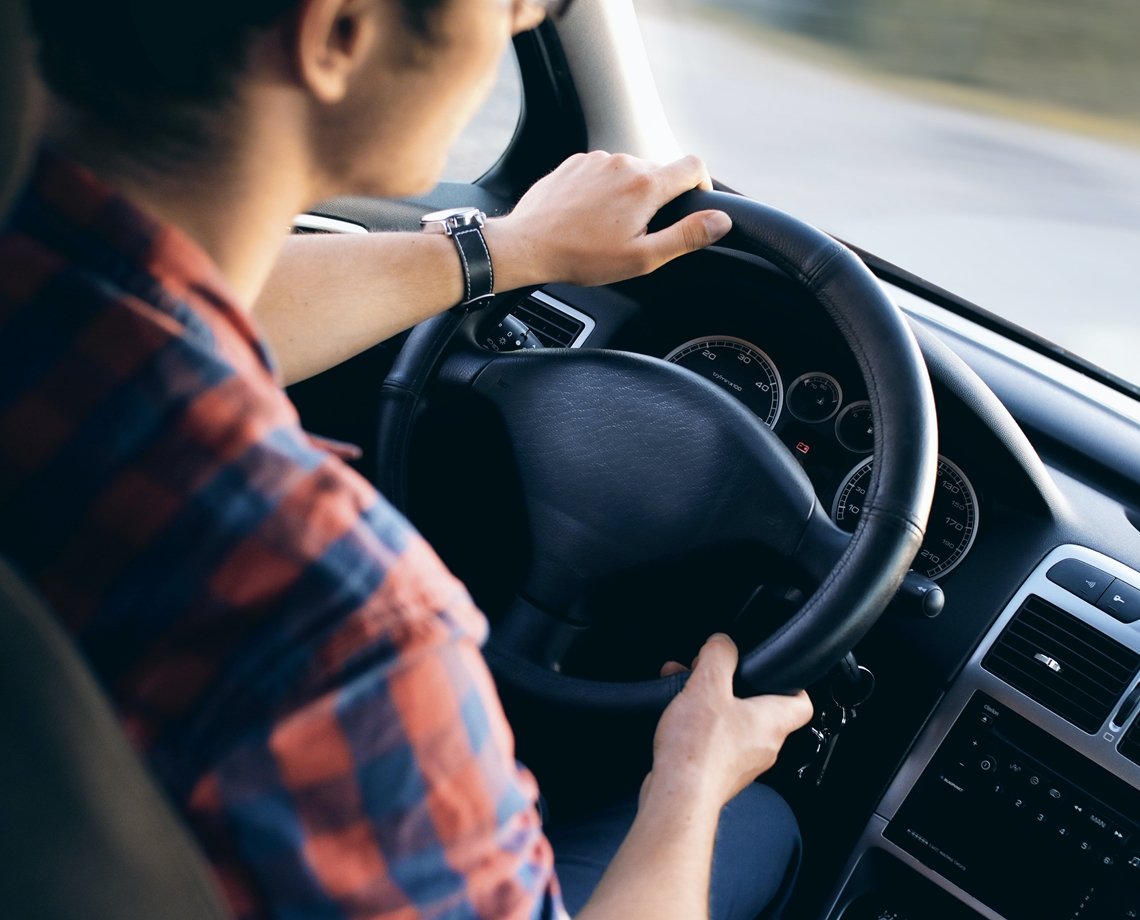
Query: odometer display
point(739, 367)
point(953, 515)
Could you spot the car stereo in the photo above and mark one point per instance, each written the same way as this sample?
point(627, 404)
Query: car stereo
point(1022, 822)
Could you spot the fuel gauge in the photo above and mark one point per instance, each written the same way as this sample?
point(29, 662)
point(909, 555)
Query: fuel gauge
point(855, 428)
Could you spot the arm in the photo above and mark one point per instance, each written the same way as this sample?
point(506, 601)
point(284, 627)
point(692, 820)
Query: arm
point(709, 745)
point(330, 297)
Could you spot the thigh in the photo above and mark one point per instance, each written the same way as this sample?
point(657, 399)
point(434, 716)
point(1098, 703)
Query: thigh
point(755, 859)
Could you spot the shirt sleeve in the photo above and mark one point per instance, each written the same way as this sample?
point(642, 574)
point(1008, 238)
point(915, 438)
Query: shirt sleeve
point(394, 793)
point(356, 761)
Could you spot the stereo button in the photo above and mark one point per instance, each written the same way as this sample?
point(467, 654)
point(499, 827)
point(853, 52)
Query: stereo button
point(1122, 601)
point(1080, 578)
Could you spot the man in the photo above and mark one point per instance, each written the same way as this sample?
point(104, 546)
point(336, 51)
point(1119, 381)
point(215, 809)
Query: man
point(297, 667)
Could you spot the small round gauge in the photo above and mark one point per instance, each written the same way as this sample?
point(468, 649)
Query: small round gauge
point(738, 366)
point(855, 429)
point(953, 515)
point(814, 397)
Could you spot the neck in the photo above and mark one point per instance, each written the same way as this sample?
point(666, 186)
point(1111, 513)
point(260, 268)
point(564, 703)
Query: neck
point(237, 206)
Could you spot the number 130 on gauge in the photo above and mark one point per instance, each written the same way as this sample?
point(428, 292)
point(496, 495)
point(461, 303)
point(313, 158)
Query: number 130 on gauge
point(953, 516)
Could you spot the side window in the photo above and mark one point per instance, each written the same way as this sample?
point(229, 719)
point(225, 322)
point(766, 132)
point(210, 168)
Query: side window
point(490, 131)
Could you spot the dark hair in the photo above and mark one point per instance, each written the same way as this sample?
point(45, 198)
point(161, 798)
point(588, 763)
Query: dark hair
point(148, 70)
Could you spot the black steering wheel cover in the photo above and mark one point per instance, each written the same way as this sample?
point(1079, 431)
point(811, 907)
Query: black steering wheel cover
point(892, 525)
point(400, 396)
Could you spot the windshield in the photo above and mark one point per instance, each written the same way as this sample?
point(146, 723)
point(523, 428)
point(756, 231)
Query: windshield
point(990, 146)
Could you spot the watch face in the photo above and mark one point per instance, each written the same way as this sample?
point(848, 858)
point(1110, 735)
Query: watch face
point(453, 218)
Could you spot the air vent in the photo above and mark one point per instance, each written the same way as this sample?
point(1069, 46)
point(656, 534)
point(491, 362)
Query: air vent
point(1130, 746)
point(555, 324)
point(1063, 663)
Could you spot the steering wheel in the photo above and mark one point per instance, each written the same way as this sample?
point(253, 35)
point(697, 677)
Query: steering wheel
point(627, 460)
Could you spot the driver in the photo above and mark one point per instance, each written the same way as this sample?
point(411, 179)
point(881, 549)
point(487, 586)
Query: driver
point(297, 667)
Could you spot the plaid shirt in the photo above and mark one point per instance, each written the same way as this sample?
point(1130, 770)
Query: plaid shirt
point(297, 667)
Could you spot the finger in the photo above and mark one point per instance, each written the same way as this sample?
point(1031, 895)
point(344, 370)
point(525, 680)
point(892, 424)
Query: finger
point(716, 661)
point(669, 668)
point(696, 231)
point(682, 175)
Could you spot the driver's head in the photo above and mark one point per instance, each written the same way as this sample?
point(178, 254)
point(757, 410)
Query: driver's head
point(380, 87)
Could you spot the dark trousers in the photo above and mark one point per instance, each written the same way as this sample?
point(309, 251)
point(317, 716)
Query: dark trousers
point(755, 860)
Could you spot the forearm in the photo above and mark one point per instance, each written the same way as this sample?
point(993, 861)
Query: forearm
point(663, 867)
point(330, 297)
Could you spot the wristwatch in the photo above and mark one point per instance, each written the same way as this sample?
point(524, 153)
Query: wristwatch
point(465, 227)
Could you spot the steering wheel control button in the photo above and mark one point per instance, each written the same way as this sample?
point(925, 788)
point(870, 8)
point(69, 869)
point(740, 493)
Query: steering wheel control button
point(855, 428)
point(814, 397)
point(920, 596)
point(1085, 581)
point(1122, 601)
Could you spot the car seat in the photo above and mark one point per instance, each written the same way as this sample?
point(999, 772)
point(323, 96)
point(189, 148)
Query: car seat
point(84, 831)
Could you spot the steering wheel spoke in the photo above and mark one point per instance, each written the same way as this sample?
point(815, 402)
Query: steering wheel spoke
point(821, 545)
point(536, 635)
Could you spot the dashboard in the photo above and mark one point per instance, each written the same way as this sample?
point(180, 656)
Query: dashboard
point(1001, 766)
point(957, 760)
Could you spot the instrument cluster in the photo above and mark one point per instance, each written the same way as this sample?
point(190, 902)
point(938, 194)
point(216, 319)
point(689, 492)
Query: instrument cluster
point(831, 433)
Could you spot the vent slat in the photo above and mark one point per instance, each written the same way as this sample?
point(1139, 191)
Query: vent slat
point(1094, 669)
point(1088, 710)
point(1088, 670)
point(553, 328)
point(1101, 649)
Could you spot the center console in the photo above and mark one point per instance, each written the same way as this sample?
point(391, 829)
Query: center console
point(1021, 799)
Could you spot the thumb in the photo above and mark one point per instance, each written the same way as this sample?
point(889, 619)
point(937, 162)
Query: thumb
point(693, 232)
point(716, 661)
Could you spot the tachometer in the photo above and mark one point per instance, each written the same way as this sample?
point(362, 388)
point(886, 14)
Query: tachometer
point(953, 516)
point(738, 366)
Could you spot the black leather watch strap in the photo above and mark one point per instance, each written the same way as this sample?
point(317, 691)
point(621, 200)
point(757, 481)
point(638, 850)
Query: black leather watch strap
point(478, 274)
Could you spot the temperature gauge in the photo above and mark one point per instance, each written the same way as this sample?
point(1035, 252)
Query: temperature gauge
point(814, 397)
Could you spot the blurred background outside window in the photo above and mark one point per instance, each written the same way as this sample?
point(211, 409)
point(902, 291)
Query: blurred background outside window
point(991, 146)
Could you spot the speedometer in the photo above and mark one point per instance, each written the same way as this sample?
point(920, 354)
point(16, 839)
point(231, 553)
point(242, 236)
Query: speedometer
point(953, 516)
point(739, 367)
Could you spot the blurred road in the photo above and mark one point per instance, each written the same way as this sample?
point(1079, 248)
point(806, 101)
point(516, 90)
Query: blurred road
point(1039, 225)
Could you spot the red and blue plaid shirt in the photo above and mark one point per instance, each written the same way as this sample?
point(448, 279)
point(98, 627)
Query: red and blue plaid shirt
point(297, 667)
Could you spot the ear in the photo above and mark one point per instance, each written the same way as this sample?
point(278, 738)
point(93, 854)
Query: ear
point(332, 41)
